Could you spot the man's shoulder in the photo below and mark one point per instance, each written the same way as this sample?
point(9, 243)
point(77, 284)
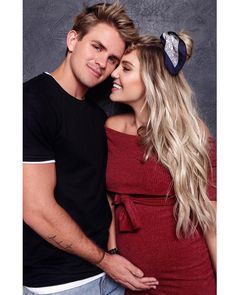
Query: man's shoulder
point(34, 83)
point(119, 122)
point(37, 97)
point(38, 90)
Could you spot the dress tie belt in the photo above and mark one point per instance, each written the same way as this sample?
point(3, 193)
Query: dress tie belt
point(128, 218)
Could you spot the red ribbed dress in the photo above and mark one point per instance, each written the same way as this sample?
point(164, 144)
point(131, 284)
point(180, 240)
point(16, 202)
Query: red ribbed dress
point(145, 225)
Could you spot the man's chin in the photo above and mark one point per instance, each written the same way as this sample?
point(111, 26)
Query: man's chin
point(92, 84)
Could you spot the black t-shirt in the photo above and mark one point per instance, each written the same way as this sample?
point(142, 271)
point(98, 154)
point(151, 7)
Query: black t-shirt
point(61, 128)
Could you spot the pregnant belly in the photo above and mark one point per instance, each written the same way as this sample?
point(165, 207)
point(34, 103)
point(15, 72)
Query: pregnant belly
point(155, 248)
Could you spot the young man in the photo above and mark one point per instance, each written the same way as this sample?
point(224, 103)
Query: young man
point(66, 212)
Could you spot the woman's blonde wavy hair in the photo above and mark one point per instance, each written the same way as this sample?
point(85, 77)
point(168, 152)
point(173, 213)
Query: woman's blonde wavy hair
point(176, 135)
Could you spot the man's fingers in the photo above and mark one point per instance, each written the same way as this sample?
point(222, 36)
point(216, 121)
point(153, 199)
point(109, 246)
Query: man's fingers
point(149, 280)
point(131, 287)
point(137, 284)
point(127, 274)
point(135, 270)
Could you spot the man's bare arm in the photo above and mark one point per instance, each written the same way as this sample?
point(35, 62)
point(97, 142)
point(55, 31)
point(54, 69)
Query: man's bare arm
point(48, 218)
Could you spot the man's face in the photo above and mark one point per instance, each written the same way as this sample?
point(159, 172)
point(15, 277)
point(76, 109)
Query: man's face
point(93, 58)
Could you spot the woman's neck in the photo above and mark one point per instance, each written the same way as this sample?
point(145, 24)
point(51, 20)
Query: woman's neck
point(140, 117)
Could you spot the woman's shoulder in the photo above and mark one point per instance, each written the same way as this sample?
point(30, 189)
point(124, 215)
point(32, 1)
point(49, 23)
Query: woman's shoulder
point(119, 122)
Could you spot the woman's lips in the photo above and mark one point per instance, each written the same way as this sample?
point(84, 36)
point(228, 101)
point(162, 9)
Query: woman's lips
point(116, 87)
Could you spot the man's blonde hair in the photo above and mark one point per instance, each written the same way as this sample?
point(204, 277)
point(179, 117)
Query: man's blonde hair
point(111, 14)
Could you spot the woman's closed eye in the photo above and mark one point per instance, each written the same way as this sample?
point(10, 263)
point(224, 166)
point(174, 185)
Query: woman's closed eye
point(126, 69)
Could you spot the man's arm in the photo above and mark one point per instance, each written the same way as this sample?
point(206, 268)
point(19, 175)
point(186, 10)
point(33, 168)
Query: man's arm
point(46, 217)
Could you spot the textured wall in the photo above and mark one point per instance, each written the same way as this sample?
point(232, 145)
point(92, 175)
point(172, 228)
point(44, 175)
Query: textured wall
point(46, 23)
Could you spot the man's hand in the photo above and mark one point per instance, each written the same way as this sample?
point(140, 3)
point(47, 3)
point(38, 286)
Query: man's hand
point(125, 273)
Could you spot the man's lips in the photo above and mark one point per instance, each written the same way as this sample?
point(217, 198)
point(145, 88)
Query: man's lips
point(95, 71)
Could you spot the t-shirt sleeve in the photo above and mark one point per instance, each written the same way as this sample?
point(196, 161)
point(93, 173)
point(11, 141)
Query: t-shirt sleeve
point(38, 129)
point(211, 188)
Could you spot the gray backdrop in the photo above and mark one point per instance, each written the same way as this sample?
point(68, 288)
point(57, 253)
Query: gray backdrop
point(46, 23)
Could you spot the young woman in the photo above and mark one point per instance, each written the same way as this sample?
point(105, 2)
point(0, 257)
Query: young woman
point(161, 170)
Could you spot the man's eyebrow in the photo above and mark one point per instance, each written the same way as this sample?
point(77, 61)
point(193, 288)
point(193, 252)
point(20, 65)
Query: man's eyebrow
point(104, 47)
point(100, 44)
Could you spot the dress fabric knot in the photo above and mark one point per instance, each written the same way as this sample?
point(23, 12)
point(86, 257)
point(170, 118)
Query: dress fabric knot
point(128, 219)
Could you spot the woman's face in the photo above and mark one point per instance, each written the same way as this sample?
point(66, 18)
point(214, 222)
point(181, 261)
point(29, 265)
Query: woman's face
point(128, 86)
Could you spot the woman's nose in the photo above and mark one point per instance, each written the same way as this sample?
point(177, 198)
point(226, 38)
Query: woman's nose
point(115, 73)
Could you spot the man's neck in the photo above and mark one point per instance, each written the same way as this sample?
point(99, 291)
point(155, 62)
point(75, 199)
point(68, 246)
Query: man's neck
point(65, 78)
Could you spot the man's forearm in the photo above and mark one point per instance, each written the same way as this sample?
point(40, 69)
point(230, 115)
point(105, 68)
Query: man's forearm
point(56, 226)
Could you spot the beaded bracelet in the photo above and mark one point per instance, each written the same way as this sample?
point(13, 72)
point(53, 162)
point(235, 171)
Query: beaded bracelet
point(113, 251)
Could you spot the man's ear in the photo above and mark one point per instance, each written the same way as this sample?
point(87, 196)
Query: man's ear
point(72, 38)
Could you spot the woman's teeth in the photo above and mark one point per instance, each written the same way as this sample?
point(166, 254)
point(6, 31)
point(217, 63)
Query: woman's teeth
point(117, 86)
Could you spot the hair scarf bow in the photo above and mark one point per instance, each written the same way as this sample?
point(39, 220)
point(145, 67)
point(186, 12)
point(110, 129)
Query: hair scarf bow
point(174, 51)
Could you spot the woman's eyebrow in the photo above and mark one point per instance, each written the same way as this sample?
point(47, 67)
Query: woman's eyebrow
point(127, 63)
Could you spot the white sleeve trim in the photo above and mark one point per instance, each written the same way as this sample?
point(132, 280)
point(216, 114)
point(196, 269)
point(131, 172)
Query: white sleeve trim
point(41, 162)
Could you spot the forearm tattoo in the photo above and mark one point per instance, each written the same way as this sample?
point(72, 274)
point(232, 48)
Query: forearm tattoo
point(60, 243)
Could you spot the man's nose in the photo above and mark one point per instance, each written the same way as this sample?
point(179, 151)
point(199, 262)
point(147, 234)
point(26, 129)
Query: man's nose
point(101, 61)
